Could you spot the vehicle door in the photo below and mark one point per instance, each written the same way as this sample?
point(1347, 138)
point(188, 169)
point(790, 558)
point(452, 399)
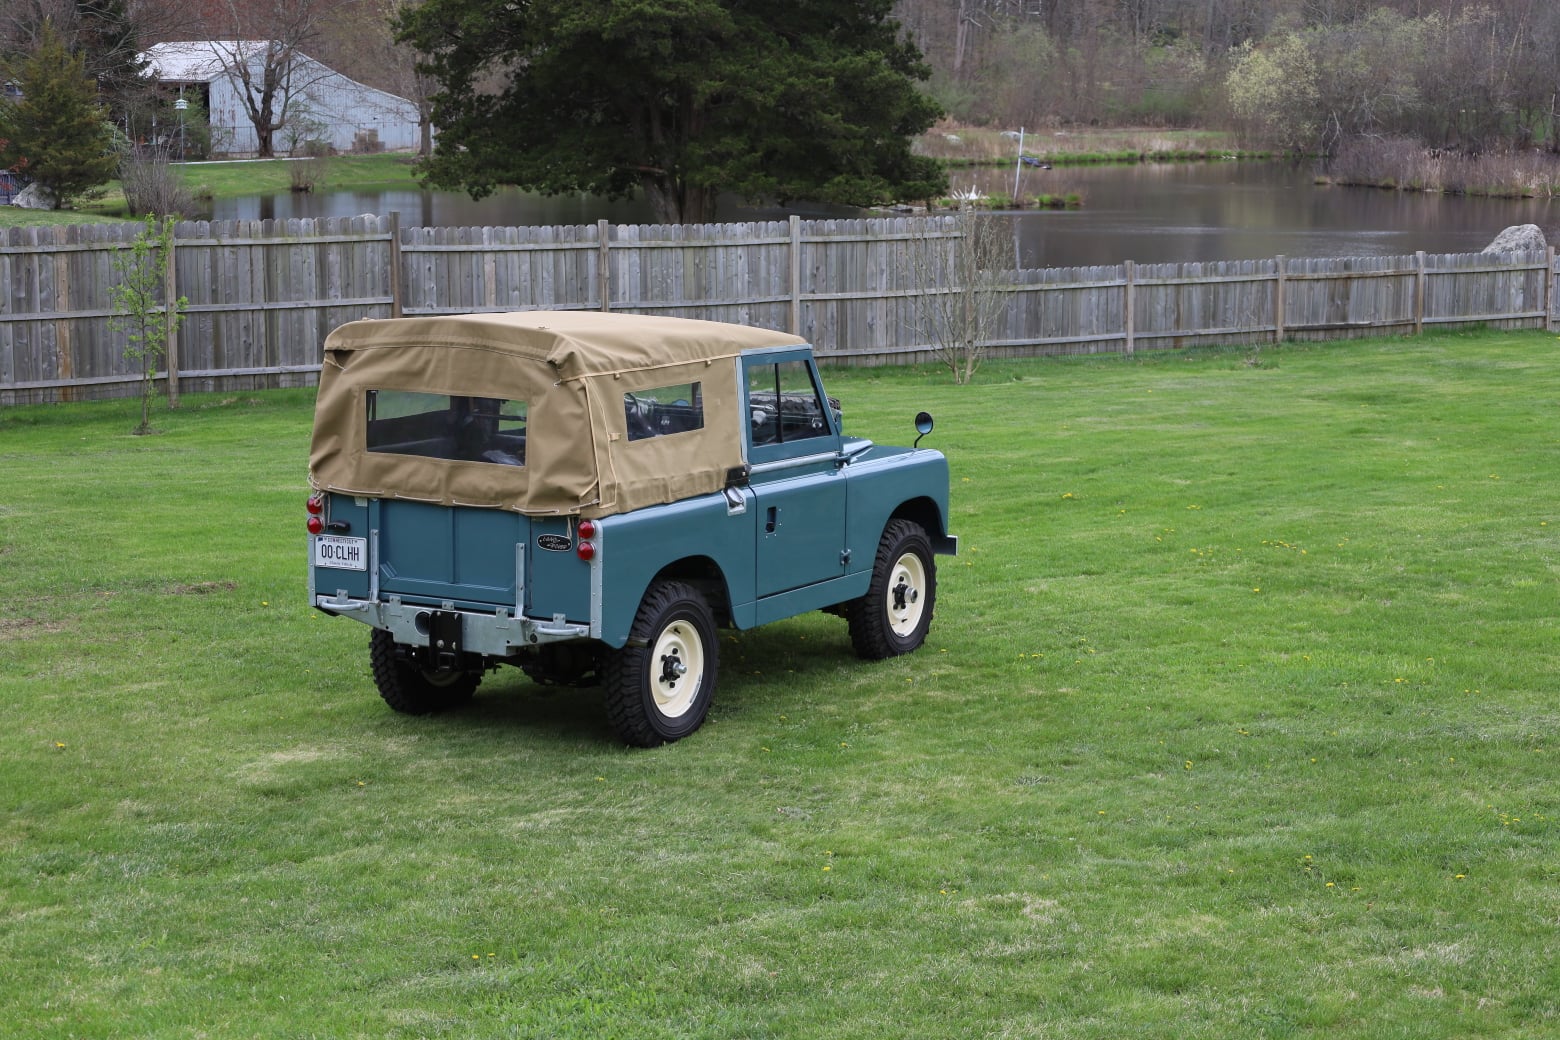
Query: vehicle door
point(794, 451)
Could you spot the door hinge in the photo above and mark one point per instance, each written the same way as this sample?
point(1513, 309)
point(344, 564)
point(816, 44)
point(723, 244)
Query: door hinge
point(844, 557)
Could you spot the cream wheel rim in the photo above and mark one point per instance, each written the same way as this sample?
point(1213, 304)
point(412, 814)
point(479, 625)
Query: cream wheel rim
point(677, 668)
point(906, 594)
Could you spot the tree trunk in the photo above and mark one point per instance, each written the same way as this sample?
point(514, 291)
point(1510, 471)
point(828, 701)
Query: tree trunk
point(673, 202)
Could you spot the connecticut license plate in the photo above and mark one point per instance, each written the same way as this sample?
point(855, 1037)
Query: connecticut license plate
point(341, 552)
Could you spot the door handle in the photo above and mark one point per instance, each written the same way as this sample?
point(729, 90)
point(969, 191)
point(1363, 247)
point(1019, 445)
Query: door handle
point(772, 520)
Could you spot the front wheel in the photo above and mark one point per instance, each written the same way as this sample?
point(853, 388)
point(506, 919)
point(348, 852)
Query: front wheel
point(412, 690)
point(894, 615)
point(659, 686)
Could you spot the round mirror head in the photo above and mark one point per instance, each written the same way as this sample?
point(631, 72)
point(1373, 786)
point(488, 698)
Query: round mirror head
point(923, 423)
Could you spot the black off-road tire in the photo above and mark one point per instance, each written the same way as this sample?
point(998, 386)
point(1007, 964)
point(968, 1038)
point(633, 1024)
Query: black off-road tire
point(415, 691)
point(658, 688)
point(894, 615)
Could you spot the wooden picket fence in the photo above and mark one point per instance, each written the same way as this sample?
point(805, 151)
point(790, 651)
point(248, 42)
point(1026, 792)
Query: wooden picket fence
point(264, 294)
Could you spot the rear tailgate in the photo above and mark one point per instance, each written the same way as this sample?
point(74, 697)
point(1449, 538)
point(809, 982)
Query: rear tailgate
point(449, 554)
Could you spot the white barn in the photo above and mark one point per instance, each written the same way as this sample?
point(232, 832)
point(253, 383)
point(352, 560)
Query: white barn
point(323, 105)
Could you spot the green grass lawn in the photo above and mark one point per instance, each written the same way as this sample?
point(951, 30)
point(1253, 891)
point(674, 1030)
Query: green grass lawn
point(1237, 720)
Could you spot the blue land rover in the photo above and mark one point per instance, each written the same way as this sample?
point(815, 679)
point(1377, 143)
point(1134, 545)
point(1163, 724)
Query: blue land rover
point(590, 496)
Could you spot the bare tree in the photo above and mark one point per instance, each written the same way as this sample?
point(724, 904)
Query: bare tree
point(22, 22)
point(262, 53)
point(958, 263)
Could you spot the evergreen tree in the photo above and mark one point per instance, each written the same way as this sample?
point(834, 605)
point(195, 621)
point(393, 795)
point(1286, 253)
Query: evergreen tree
point(56, 133)
point(110, 42)
point(683, 100)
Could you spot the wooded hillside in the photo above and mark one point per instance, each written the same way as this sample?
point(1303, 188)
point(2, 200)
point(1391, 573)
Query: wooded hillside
point(1453, 73)
point(1464, 75)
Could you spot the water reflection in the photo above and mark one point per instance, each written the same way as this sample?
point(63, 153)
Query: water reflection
point(506, 207)
point(1151, 213)
point(1160, 213)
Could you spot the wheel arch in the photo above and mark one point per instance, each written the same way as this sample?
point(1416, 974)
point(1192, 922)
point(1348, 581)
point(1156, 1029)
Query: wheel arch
point(923, 510)
point(704, 574)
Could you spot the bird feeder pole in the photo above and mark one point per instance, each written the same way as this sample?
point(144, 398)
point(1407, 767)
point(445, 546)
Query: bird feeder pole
point(1018, 166)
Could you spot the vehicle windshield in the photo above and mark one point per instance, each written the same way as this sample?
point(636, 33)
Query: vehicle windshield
point(439, 426)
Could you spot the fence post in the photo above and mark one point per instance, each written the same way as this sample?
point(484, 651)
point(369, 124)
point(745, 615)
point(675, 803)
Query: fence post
point(171, 301)
point(795, 328)
point(65, 357)
point(1129, 325)
point(1419, 293)
point(1549, 289)
point(1279, 302)
point(604, 263)
point(396, 280)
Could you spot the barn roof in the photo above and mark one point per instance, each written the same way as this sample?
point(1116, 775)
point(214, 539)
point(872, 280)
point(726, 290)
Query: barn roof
point(196, 61)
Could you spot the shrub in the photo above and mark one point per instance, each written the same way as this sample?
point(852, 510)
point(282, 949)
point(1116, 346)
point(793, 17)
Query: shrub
point(150, 184)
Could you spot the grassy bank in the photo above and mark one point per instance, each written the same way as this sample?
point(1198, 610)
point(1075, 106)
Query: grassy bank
point(977, 146)
point(383, 172)
point(1237, 719)
point(207, 180)
point(1404, 165)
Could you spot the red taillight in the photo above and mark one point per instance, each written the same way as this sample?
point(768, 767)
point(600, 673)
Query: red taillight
point(316, 504)
point(586, 549)
point(316, 525)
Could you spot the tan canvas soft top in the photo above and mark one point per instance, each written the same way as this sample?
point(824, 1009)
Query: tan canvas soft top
point(572, 368)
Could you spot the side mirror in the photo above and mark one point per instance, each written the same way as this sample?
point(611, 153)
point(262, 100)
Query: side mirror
point(923, 426)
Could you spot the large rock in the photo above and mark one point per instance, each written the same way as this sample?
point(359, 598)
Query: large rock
point(34, 196)
point(1523, 238)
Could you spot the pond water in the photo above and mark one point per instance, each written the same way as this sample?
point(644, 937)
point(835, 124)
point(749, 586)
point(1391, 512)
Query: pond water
point(1150, 213)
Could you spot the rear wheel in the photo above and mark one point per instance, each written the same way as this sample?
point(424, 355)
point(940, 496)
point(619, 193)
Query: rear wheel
point(894, 615)
point(658, 687)
point(412, 690)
